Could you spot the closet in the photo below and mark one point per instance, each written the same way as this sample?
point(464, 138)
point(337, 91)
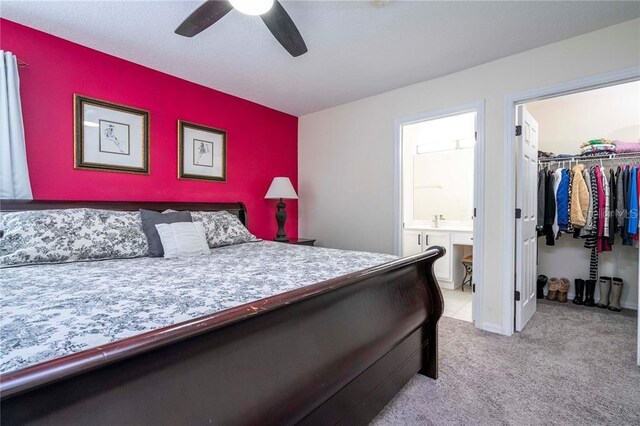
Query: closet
point(589, 143)
point(593, 208)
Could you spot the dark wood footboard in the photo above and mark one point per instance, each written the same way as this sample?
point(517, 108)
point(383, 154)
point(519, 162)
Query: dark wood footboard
point(333, 352)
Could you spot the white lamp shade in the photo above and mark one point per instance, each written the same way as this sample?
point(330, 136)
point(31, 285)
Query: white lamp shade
point(281, 187)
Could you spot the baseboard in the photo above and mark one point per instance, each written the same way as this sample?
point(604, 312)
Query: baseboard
point(491, 328)
point(623, 303)
point(449, 285)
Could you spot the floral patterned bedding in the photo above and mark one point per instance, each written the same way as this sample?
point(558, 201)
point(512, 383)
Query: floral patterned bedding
point(47, 311)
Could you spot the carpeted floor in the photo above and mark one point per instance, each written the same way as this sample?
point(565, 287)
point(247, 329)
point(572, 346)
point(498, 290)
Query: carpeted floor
point(570, 366)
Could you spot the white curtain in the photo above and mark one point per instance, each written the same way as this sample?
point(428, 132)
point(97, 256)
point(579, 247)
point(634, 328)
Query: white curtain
point(14, 173)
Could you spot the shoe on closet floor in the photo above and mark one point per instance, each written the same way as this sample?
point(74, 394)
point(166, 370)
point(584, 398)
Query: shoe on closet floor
point(605, 289)
point(554, 285)
point(579, 298)
point(563, 290)
point(590, 289)
point(616, 291)
point(542, 281)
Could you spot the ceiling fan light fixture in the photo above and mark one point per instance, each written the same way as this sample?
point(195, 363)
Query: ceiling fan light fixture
point(252, 7)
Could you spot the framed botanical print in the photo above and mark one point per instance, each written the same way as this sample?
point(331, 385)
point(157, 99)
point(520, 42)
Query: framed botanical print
point(202, 152)
point(110, 137)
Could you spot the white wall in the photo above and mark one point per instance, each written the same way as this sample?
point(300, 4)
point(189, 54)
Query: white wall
point(567, 121)
point(569, 259)
point(346, 157)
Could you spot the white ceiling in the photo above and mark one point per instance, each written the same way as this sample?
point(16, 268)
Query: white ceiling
point(355, 50)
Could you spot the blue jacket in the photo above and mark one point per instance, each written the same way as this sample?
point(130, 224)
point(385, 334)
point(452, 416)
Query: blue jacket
point(633, 203)
point(562, 201)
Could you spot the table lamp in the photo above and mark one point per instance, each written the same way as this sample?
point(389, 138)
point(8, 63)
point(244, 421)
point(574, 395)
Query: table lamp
point(281, 188)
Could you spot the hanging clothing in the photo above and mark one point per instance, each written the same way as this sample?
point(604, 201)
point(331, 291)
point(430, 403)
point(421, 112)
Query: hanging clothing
point(549, 209)
point(613, 194)
point(606, 203)
point(586, 230)
point(592, 238)
point(619, 198)
point(626, 239)
point(579, 197)
point(637, 229)
point(592, 231)
point(562, 204)
point(632, 228)
point(542, 181)
point(557, 176)
point(570, 190)
point(600, 207)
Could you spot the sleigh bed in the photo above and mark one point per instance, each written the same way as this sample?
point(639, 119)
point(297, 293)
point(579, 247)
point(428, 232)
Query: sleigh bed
point(333, 351)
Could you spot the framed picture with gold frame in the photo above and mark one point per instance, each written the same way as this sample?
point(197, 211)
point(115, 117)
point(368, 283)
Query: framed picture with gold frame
point(110, 137)
point(202, 152)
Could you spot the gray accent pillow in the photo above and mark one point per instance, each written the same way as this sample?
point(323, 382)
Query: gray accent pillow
point(149, 221)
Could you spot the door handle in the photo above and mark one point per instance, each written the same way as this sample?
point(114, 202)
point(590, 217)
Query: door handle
point(419, 235)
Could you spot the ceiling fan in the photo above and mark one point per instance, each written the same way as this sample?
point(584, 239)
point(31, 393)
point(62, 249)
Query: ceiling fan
point(272, 13)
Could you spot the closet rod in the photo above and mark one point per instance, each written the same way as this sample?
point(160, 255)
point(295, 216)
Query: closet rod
point(590, 158)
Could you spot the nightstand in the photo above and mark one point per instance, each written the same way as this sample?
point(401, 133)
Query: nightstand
point(301, 241)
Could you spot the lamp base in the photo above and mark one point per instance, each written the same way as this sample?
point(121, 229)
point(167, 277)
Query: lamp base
point(281, 218)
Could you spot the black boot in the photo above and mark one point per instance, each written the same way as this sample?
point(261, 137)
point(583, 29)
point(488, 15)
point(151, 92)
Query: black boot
point(590, 291)
point(542, 281)
point(579, 299)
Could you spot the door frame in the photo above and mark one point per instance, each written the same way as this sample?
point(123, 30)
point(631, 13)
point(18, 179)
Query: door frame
point(478, 192)
point(510, 102)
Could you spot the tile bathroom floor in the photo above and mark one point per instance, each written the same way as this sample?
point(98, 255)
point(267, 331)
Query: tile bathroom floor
point(457, 304)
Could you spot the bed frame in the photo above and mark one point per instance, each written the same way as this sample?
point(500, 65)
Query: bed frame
point(333, 352)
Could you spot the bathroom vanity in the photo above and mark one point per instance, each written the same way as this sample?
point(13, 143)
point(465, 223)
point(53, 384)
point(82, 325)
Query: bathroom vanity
point(457, 239)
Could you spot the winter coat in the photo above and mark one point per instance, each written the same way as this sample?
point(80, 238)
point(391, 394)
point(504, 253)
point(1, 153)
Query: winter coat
point(579, 197)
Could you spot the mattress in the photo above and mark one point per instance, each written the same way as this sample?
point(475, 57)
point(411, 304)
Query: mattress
point(48, 311)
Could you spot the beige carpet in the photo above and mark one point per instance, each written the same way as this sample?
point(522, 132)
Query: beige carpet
point(571, 365)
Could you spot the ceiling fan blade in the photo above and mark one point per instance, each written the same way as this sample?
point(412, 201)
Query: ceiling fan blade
point(284, 30)
point(203, 17)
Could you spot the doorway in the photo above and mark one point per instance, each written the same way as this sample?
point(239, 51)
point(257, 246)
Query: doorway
point(439, 161)
point(584, 127)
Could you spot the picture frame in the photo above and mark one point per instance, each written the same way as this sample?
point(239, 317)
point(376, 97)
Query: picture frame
point(202, 152)
point(110, 137)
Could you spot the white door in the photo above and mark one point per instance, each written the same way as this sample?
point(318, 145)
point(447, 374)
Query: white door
point(527, 202)
point(411, 242)
point(442, 267)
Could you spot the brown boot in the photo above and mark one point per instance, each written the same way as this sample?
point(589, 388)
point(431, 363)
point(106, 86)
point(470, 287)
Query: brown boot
point(563, 290)
point(554, 285)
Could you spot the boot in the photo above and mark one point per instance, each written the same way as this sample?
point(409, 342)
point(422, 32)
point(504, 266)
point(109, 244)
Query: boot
point(590, 286)
point(616, 290)
point(563, 290)
point(542, 281)
point(579, 299)
point(554, 285)
point(605, 288)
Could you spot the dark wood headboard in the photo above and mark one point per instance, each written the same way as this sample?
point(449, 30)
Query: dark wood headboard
point(237, 209)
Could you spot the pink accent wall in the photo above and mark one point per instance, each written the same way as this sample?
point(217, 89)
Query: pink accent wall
point(261, 142)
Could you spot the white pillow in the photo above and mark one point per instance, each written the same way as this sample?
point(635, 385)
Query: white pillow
point(183, 239)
